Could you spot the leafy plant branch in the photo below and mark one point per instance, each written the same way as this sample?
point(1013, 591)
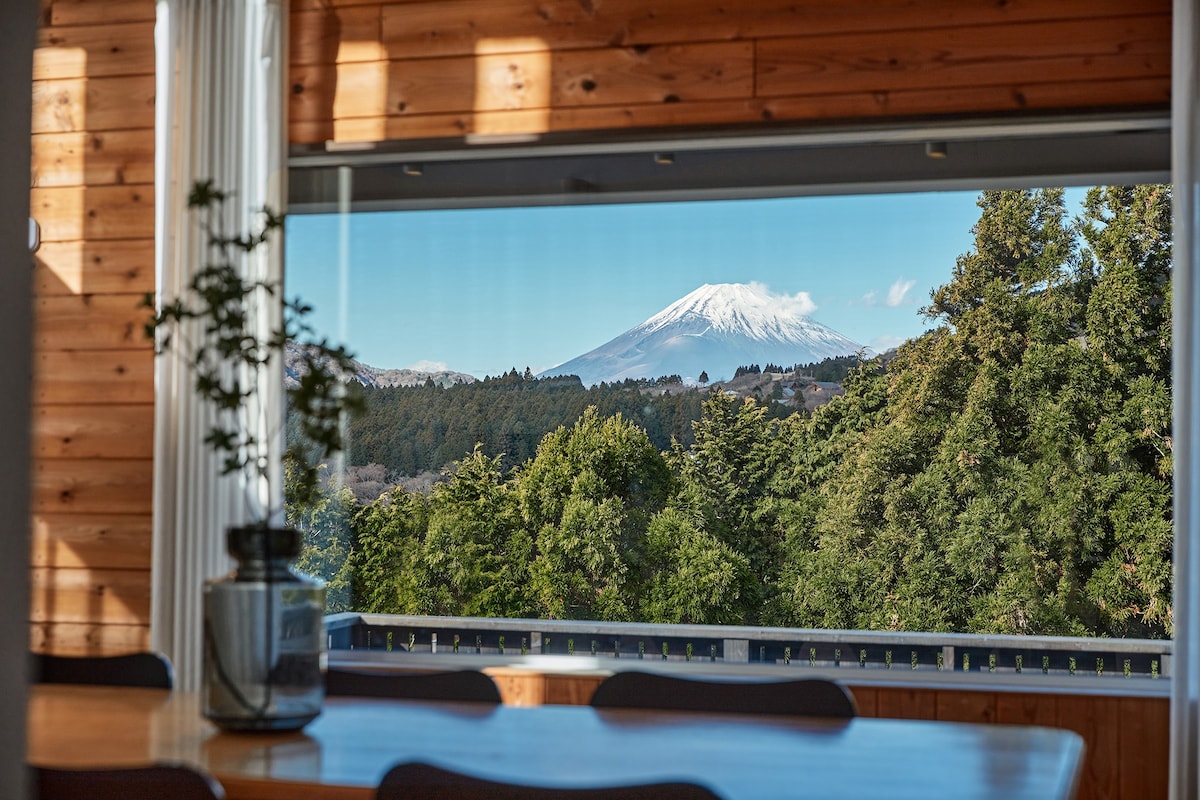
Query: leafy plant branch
point(221, 327)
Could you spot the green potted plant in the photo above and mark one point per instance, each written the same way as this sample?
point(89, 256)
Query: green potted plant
point(264, 624)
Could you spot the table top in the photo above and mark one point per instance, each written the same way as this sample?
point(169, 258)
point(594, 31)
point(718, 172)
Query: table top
point(345, 751)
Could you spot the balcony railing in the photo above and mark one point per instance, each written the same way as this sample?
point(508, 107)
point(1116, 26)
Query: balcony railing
point(837, 649)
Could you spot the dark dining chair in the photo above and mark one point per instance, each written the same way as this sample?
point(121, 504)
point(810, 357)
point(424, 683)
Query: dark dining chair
point(173, 781)
point(151, 670)
point(810, 697)
point(459, 685)
point(418, 781)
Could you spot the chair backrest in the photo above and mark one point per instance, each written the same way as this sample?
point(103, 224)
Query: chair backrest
point(467, 684)
point(173, 781)
point(811, 697)
point(151, 670)
point(417, 781)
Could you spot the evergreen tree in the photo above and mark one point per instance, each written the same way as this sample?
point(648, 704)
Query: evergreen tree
point(692, 577)
point(390, 576)
point(587, 498)
point(722, 482)
point(475, 554)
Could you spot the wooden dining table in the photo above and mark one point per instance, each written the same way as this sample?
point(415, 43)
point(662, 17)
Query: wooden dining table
point(347, 749)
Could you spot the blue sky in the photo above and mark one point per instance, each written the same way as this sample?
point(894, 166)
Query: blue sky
point(484, 290)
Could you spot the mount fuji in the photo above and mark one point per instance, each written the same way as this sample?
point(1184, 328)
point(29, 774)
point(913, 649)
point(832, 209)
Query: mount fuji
point(715, 329)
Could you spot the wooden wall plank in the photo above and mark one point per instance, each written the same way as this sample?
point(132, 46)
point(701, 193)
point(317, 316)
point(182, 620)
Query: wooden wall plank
point(972, 706)
point(118, 266)
point(67, 638)
point(319, 5)
point(98, 12)
point(519, 687)
point(93, 431)
point(902, 703)
point(90, 322)
point(104, 212)
point(1097, 720)
point(94, 376)
point(119, 541)
point(658, 74)
point(1142, 93)
point(92, 486)
point(349, 90)
point(523, 687)
point(1015, 708)
point(998, 54)
point(110, 596)
point(94, 51)
point(331, 35)
point(103, 158)
point(93, 104)
point(593, 77)
point(571, 689)
point(523, 81)
point(1144, 744)
point(463, 27)
point(1016, 97)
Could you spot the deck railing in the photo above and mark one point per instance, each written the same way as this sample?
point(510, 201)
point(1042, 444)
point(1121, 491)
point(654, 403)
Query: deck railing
point(840, 649)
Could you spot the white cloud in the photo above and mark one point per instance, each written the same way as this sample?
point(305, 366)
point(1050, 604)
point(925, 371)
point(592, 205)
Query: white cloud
point(898, 293)
point(799, 304)
point(430, 366)
point(868, 299)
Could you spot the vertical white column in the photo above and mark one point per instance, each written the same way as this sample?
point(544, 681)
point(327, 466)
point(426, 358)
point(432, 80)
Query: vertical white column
point(219, 116)
point(1185, 155)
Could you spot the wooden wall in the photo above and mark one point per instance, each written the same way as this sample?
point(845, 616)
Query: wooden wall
point(93, 194)
point(365, 70)
point(1127, 738)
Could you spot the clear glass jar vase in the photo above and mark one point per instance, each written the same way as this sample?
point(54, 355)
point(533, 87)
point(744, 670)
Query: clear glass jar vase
point(264, 636)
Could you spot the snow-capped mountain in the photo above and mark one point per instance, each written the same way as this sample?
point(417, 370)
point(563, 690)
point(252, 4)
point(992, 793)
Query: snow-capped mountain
point(714, 329)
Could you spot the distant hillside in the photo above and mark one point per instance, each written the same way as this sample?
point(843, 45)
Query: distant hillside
point(376, 377)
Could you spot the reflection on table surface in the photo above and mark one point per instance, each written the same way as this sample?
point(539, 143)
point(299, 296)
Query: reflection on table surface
point(348, 748)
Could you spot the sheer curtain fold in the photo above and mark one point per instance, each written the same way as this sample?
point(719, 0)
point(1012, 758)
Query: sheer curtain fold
point(219, 116)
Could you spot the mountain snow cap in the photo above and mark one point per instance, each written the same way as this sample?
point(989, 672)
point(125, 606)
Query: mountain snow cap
point(713, 330)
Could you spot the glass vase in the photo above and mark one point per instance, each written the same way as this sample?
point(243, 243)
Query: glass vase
point(264, 636)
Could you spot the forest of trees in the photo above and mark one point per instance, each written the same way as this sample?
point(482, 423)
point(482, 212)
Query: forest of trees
point(1007, 472)
point(421, 428)
point(415, 429)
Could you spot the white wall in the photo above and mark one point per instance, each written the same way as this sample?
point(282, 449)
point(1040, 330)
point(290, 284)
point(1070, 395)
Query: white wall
point(18, 29)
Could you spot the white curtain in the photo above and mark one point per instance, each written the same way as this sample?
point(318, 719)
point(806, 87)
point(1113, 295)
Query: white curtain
point(1185, 156)
point(219, 116)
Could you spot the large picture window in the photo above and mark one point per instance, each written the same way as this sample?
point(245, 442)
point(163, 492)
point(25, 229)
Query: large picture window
point(941, 411)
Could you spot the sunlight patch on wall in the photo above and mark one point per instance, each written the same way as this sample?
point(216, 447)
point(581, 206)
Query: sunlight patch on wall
point(512, 75)
point(361, 94)
point(58, 62)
